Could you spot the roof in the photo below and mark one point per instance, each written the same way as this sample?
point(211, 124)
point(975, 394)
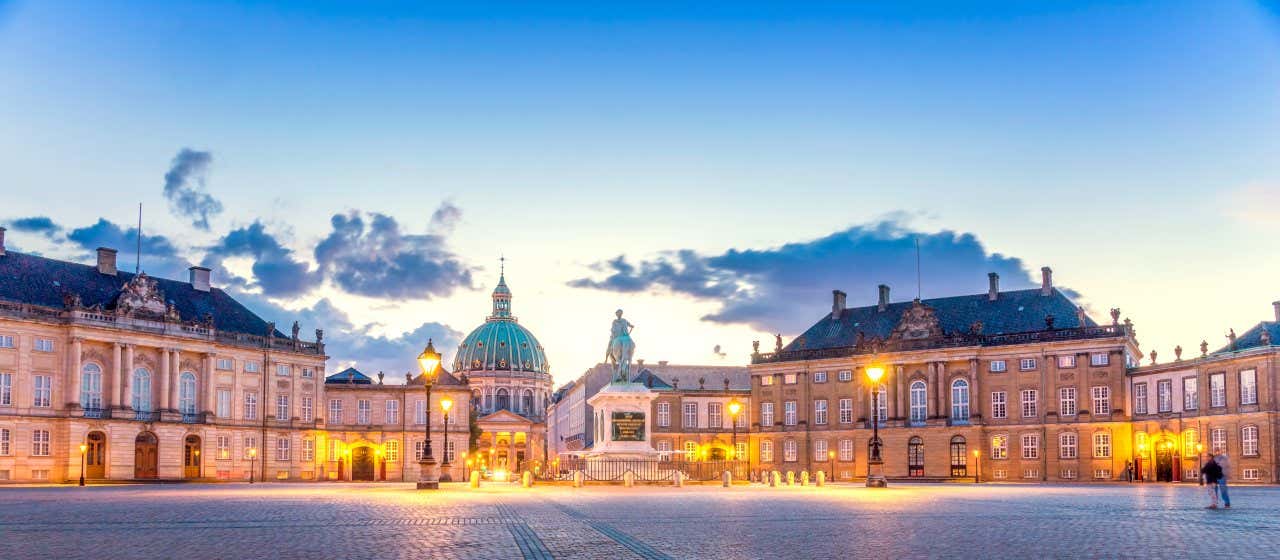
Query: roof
point(349, 376)
point(1015, 311)
point(46, 282)
point(501, 343)
point(1252, 338)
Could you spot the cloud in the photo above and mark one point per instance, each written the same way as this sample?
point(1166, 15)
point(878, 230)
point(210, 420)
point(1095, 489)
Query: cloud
point(159, 256)
point(275, 270)
point(445, 218)
point(184, 186)
point(786, 288)
point(42, 225)
point(371, 256)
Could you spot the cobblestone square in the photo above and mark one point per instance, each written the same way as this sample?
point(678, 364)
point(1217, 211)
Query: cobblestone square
point(395, 521)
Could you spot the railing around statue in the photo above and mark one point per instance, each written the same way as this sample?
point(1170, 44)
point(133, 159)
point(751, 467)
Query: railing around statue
point(644, 470)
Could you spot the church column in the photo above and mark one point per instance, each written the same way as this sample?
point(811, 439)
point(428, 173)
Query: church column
point(126, 391)
point(164, 379)
point(76, 347)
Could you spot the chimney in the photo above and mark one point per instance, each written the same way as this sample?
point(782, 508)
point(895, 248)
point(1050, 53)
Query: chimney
point(106, 261)
point(199, 278)
point(837, 303)
point(1274, 304)
point(884, 297)
point(662, 363)
point(1, 242)
point(1046, 281)
point(993, 289)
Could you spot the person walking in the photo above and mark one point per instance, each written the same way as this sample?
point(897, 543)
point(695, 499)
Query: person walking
point(1211, 472)
point(1225, 463)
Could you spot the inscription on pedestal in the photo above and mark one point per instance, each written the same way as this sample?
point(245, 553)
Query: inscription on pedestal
point(628, 426)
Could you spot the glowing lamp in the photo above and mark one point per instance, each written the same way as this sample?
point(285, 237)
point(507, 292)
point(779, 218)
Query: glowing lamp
point(874, 373)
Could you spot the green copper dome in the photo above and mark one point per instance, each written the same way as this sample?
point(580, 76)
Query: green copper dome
point(500, 344)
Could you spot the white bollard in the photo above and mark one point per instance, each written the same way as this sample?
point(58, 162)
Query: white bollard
point(791, 478)
point(728, 479)
point(475, 479)
point(526, 480)
point(577, 479)
point(804, 478)
point(629, 479)
point(775, 479)
point(822, 478)
point(679, 479)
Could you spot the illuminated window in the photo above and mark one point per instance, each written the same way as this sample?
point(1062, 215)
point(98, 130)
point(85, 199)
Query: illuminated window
point(1101, 445)
point(766, 451)
point(1066, 361)
point(766, 380)
point(1000, 447)
point(740, 451)
point(789, 379)
point(1190, 438)
point(392, 449)
point(224, 447)
point(690, 450)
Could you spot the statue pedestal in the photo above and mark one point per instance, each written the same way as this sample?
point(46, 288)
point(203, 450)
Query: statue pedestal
point(622, 423)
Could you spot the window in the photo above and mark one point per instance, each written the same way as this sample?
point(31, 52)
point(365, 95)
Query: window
point(766, 380)
point(960, 401)
point(690, 415)
point(44, 345)
point(1067, 474)
point(250, 405)
point(998, 366)
point(502, 399)
point(308, 373)
point(224, 403)
point(766, 451)
point(789, 413)
point(363, 411)
point(690, 450)
point(309, 450)
point(1218, 390)
point(715, 415)
point(766, 414)
point(664, 450)
point(449, 454)
point(845, 375)
point(999, 403)
point(91, 387)
point(1140, 440)
point(1030, 446)
point(820, 377)
point(789, 453)
point(335, 450)
point(664, 415)
point(1000, 474)
point(1139, 398)
point(224, 363)
point(1102, 474)
point(1102, 445)
point(1030, 398)
point(742, 417)
point(919, 402)
point(1101, 400)
point(1099, 359)
point(1190, 394)
point(1066, 361)
point(819, 450)
point(846, 450)
point(391, 412)
point(6, 441)
point(789, 379)
point(1164, 395)
point(39, 443)
point(141, 395)
point(335, 411)
point(1250, 474)
point(282, 407)
point(250, 446)
point(1030, 473)
point(1000, 447)
point(820, 411)
point(251, 367)
point(282, 448)
point(187, 393)
point(1249, 441)
point(1027, 364)
point(1067, 445)
point(42, 390)
point(306, 408)
point(846, 411)
point(1067, 401)
point(881, 403)
point(6, 341)
point(224, 447)
point(418, 450)
point(419, 412)
point(1249, 386)
point(740, 450)
point(1218, 440)
point(284, 370)
point(6, 389)
point(1190, 438)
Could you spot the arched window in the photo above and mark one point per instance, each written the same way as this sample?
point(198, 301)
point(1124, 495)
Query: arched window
point(915, 455)
point(187, 393)
point(960, 401)
point(919, 402)
point(503, 398)
point(91, 387)
point(526, 401)
point(141, 397)
point(475, 399)
point(959, 456)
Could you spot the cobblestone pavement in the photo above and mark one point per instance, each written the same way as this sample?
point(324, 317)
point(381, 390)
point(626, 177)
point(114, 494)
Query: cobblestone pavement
point(280, 521)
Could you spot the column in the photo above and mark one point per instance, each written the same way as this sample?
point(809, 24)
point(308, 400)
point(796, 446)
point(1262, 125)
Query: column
point(127, 397)
point(944, 390)
point(164, 379)
point(175, 383)
point(210, 386)
point(931, 380)
point(898, 394)
point(975, 392)
point(74, 397)
point(117, 378)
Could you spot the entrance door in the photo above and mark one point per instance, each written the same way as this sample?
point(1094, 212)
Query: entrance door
point(95, 460)
point(145, 454)
point(1164, 463)
point(716, 454)
point(362, 463)
point(915, 457)
point(191, 457)
point(959, 458)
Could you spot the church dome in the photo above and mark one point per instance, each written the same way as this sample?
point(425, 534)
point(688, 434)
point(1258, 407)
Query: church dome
point(501, 344)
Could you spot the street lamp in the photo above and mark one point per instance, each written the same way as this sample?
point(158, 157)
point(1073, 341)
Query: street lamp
point(83, 449)
point(831, 458)
point(876, 479)
point(977, 466)
point(253, 460)
point(734, 408)
point(446, 403)
point(428, 470)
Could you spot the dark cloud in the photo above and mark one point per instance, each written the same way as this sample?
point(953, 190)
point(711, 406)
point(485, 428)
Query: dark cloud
point(42, 225)
point(371, 256)
point(275, 270)
point(786, 288)
point(184, 187)
point(159, 256)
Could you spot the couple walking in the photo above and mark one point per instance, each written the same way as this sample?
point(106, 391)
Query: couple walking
point(1214, 475)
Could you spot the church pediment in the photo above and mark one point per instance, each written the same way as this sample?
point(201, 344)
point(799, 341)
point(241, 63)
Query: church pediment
point(504, 417)
point(918, 321)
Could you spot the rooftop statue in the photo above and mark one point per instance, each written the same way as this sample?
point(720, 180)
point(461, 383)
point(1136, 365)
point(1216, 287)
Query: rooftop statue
point(621, 348)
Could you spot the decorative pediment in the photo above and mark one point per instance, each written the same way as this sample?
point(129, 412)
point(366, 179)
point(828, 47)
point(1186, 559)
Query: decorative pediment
point(918, 321)
point(504, 417)
point(142, 295)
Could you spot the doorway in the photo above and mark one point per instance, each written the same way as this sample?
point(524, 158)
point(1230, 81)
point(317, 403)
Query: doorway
point(191, 457)
point(362, 463)
point(95, 460)
point(145, 455)
point(1164, 462)
point(915, 457)
point(959, 458)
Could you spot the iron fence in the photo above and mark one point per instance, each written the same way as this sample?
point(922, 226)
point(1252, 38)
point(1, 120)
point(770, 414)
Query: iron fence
point(644, 470)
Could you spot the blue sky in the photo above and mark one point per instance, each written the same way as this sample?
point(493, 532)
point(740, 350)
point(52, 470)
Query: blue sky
point(1131, 146)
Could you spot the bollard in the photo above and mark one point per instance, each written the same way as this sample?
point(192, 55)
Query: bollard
point(804, 478)
point(822, 478)
point(791, 478)
point(775, 479)
point(475, 479)
point(679, 479)
point(629, 479)
point(577, 479)
point(728, 479)
point(526, 480)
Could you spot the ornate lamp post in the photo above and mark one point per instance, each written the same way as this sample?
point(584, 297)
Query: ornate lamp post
point(83, 449)
point(875, 465)
point(446, 403)
point(428, 470)
point(735, 407)
point(253, 460)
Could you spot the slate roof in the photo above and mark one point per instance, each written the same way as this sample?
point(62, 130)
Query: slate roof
point(1252, 338)
point(43, 281)
point(1012, 312)
point(349, 376)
